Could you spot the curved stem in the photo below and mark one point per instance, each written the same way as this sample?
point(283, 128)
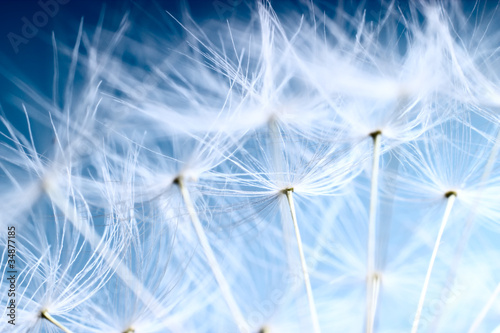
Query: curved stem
point(44, 314)
point(212, 261)
point(450, 201)
point(307, 282)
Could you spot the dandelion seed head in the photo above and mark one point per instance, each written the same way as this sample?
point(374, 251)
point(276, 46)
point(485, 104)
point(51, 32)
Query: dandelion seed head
point(318, 168)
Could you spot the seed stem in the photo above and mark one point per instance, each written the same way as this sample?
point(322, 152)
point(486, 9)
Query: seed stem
point(451, 196)
point(312, 307)
point(44, 314)
point(212, 261)
point(372, 281)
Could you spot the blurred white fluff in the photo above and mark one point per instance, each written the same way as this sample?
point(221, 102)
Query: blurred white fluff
point(215, 123)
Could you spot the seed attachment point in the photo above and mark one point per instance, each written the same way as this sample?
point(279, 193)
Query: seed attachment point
point(177, 180)
point(376, 277)
point(44, 314)
point(375, 134)
point(450, 193)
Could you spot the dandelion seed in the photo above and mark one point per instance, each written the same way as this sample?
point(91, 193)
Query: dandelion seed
point(312, 307)
point(373, 281)
point(450, 200)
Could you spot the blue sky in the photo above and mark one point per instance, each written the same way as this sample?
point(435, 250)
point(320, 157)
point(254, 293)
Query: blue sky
point(27, 54)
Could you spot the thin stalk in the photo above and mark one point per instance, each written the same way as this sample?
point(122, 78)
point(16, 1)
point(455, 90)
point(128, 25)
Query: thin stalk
point(451, 196)
point(212, 261)
point(44, 314)
point(307, 282)
point(480, 317)
point(373, 280)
